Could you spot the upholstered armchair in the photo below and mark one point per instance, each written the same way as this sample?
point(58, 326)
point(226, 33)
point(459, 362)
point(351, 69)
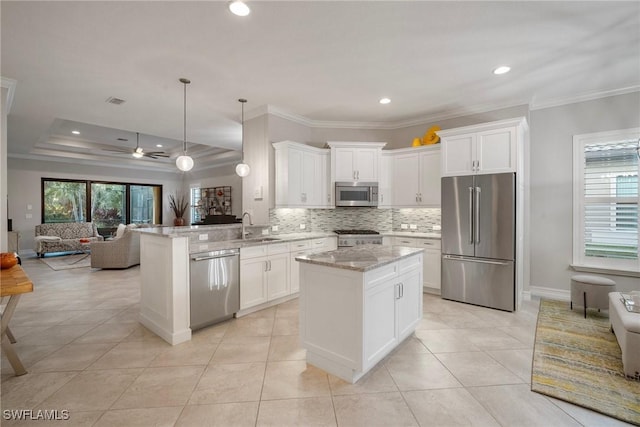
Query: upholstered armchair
point(121, 252)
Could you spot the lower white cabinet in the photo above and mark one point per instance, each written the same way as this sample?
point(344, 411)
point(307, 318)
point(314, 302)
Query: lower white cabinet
point(432, 260)
point(304, 247)
point(270, 271)
point(350, 320)
point(264, 274)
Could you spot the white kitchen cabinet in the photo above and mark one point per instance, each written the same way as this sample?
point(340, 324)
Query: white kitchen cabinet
point(350, 320)
point(264, 274)
point(304, 247)
point(355, 161)
point(482, 149)
point(302, 175)
point(385, 192)
point(416, 177)
point(431, 274)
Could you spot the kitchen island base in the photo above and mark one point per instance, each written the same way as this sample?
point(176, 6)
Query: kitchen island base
point(351, 319)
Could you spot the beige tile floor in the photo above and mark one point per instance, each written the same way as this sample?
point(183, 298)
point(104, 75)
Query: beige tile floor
point(85, 352)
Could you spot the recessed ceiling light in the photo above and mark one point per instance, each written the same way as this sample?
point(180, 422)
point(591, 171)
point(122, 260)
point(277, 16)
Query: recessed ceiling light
point(503, 69)
point(159, 145)
point(239, 8)
point(384, 100)
point(75, 132)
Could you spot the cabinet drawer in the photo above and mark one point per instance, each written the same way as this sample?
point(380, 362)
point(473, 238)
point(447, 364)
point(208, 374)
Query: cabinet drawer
point(406, 241)
point(380, 275)
point(430, 244)
point(299, 245)
point(278, 248)
point(408, 264)
point(253, 251)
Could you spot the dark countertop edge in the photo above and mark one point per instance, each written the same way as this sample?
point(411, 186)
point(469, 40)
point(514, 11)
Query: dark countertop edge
point(362, 269)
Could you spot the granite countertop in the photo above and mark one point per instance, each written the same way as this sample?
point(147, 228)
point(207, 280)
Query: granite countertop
point(360, 258)
point(173, 232)
point(433, 235)
point(262, 240)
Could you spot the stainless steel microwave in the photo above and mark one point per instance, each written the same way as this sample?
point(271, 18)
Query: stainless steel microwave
point(356, 193)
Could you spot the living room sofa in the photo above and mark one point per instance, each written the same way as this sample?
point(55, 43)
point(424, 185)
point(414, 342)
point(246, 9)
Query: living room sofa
point(123, 251)
point(64, 237)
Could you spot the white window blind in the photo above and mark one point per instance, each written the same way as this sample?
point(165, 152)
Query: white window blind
point(606, 202)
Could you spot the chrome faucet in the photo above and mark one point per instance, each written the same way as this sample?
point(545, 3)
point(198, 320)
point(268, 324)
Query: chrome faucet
point(244, 233)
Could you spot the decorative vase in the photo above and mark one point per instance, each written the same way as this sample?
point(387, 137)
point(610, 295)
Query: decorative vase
point(8, 260)
point(178, 222)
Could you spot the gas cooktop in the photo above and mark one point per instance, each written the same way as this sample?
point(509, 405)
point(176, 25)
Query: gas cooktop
point(355, 232)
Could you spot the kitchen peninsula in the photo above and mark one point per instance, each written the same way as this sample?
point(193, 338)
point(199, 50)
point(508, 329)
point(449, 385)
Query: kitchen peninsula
point(357, 304)
point(165, 255)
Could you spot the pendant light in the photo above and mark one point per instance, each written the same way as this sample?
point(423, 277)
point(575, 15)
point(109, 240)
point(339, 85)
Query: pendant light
point(137, 153)
point(242, 169)
point(184, 162)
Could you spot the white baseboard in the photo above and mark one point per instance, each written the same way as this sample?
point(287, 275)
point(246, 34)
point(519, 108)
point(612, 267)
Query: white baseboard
point(550, 293)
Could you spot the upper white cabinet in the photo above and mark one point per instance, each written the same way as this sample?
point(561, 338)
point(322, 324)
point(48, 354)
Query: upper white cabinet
point(482, 149)
point(415, 177)
point(302, 176)
point(385, 190)
point(355, 161)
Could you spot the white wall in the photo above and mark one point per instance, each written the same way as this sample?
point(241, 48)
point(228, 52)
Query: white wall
point(3, 170)
point(24, 188)
point(552, 131)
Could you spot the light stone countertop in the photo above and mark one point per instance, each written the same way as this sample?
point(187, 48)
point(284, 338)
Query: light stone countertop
point(360, 258)
point(433, 235)
point(262, 240)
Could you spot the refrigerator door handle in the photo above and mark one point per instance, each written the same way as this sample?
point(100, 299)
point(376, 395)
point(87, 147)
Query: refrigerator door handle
point(477, 206)
point(478, 260)
point(471, 215)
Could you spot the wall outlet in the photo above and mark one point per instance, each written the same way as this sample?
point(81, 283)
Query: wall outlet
point(257, 193)
point(274, 228)
point(28, 216)
point(303, 226)
point(265, 231)
point(437, 228)
point(404, 226)
point(203, 237)
point(29, 207)
point(413, 226)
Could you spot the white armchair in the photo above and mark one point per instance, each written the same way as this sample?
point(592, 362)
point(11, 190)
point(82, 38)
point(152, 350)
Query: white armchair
point(120, 252)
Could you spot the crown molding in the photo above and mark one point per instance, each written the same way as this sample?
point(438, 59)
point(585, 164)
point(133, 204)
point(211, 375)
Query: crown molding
point(10, 85)
point(556, 102)
point(430, 119)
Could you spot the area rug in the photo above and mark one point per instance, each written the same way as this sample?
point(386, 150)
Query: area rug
point(578, 360)
point(66, 262)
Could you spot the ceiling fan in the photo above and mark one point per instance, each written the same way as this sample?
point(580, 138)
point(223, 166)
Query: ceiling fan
point(139, 152)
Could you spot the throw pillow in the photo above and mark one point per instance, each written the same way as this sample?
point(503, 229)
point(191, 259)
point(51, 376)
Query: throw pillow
point(120, 230)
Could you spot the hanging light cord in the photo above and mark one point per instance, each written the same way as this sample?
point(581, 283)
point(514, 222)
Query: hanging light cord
point(184, 147)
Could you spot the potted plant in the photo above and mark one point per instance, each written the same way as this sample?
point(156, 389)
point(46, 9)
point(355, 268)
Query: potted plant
point(178, 205)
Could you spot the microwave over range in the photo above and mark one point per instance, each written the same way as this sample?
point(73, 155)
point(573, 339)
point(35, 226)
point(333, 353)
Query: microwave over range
point(356, 193)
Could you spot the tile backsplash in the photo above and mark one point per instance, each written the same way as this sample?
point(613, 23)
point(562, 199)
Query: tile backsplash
point(382, 220)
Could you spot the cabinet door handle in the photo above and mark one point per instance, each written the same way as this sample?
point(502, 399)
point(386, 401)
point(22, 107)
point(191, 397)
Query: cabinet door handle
point(266, 266)
point(269, 265)
point(397, 291)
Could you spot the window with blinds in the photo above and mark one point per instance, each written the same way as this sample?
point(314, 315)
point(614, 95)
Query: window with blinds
point(606, 201)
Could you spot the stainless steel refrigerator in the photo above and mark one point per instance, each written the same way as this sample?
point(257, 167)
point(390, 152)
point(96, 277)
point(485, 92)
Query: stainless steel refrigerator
point(479, 239)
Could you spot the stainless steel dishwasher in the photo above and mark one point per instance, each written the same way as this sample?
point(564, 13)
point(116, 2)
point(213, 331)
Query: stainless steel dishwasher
point(214, 286)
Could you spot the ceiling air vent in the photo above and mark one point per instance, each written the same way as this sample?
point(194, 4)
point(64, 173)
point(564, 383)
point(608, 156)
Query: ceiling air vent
point(114, 100)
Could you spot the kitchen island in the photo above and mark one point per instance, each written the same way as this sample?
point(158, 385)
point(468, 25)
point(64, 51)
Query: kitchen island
point(357, 304)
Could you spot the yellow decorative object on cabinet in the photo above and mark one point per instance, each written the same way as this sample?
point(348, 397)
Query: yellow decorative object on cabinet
point(431, 137)
point(416, 142)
